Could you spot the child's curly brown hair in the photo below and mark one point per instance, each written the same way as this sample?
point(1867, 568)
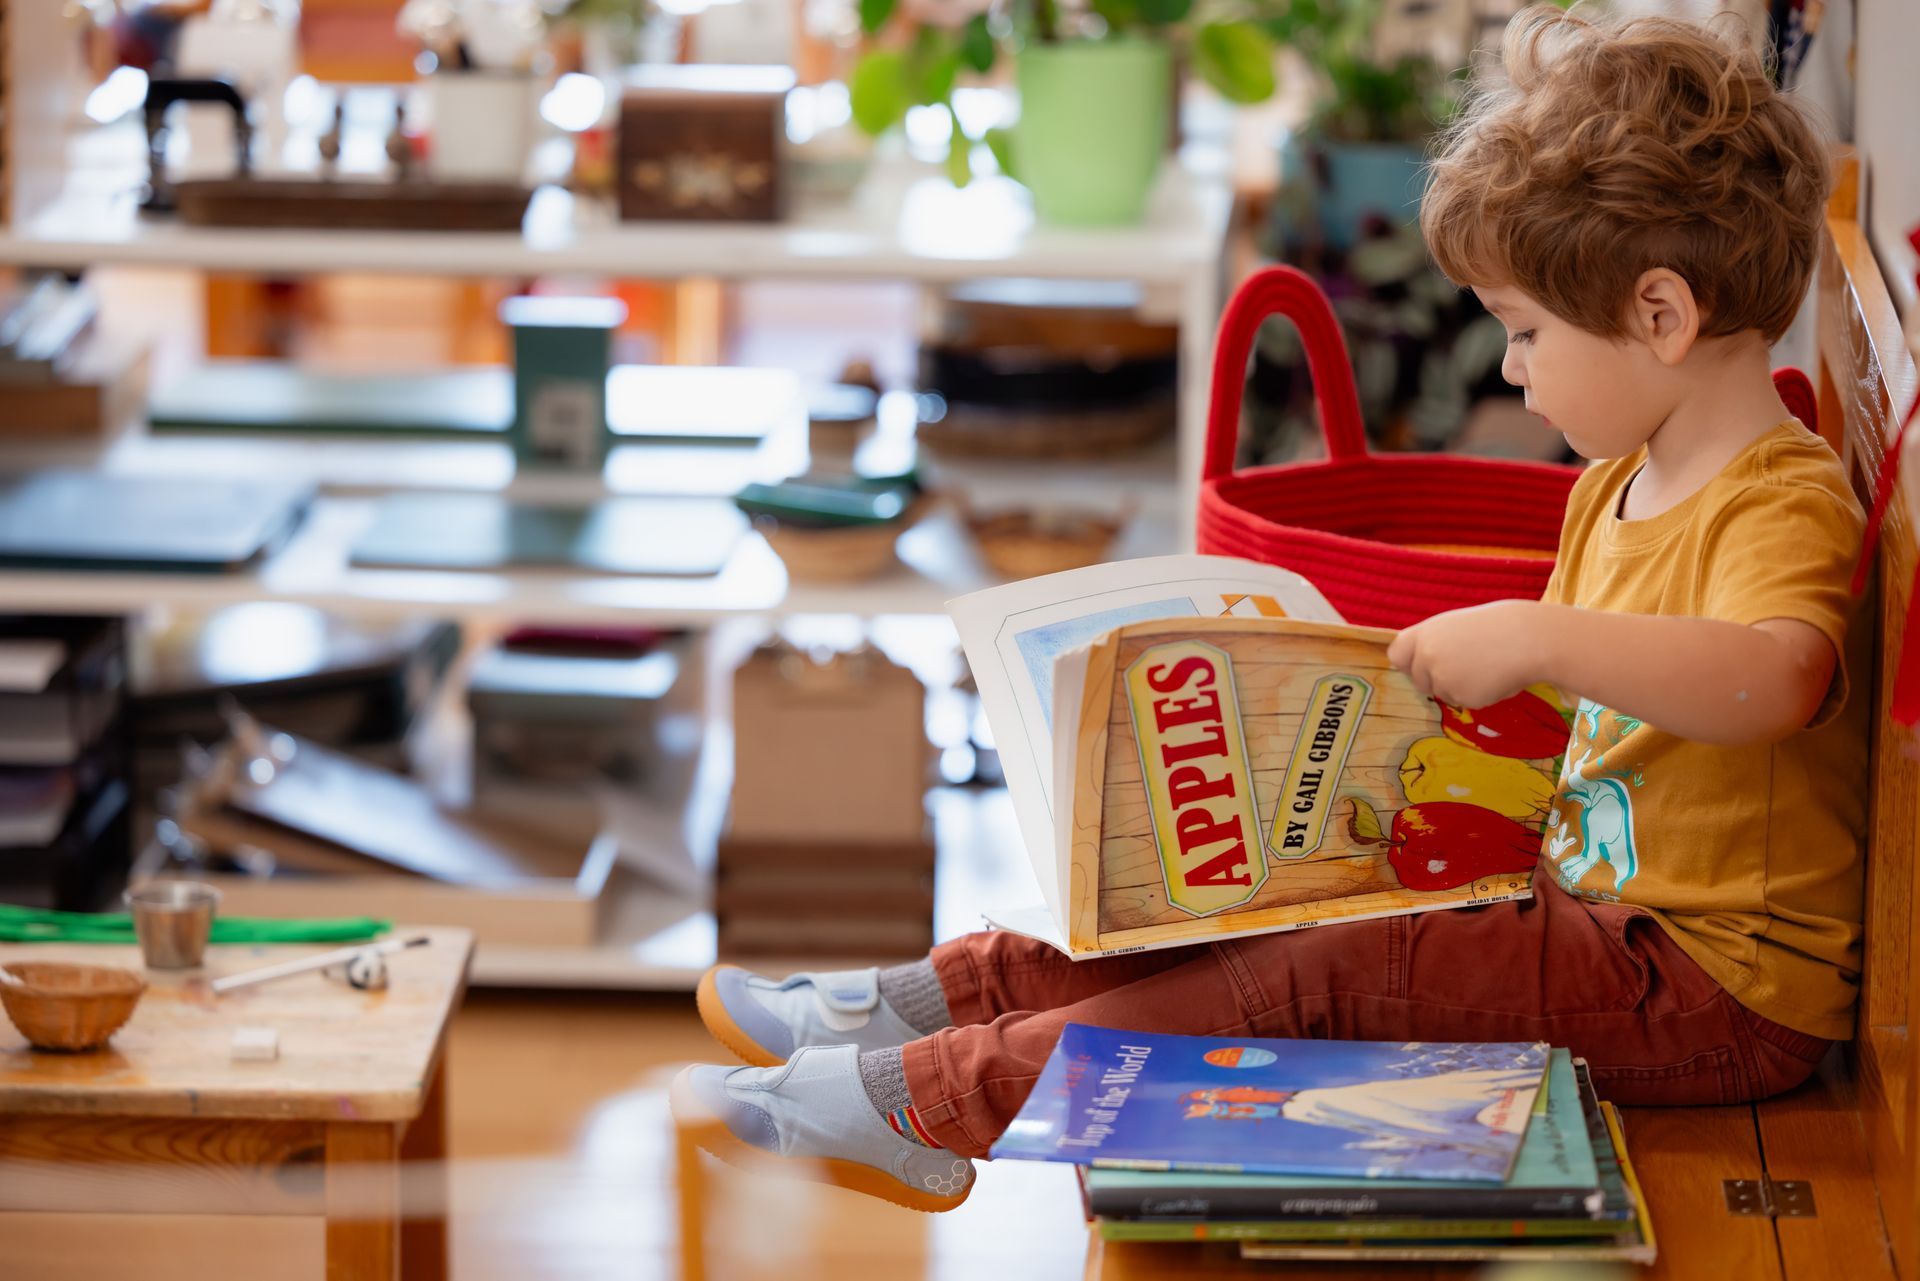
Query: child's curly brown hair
point(1616, 147)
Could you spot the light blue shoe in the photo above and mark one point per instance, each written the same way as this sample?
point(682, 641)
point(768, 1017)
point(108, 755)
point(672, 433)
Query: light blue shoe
point(814, 1109)
point(764, 1021)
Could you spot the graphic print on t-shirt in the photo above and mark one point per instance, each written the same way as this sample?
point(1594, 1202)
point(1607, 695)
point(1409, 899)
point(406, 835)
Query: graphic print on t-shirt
point(1592, 818)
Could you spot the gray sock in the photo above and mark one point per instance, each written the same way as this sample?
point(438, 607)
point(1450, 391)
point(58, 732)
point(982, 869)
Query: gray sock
point(912, 991)
point(884, 1073)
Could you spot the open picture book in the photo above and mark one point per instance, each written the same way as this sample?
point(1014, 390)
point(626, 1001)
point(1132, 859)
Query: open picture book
point(1198, 748)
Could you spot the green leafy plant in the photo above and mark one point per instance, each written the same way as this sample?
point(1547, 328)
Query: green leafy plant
point(1367, 98)
point(619, 22)
point(628, 11)
point(888, 82)
point(1226, 42)
point(1230, 44)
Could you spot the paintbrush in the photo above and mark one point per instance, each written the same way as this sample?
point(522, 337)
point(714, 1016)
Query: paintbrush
point(339, 956)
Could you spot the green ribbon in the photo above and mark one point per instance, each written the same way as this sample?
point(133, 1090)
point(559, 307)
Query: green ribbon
point(33, 925)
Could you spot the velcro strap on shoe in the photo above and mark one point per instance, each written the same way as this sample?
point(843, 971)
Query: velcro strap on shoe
point(855, 992)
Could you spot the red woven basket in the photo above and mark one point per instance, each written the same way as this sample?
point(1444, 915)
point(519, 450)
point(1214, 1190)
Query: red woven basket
point(1379, 534)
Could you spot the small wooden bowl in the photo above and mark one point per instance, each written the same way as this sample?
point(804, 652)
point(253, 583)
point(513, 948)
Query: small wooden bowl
point(68, 1007)
point(850, 555)
point(1028, 544)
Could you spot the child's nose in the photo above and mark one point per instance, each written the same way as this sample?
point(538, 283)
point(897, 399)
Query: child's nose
point(1513, 367)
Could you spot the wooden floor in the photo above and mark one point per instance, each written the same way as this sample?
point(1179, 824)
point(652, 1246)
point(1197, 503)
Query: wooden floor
point(563, 1166)
point(563, 1169)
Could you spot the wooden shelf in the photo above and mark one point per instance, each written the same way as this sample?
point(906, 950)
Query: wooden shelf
point(937, 559)
point(903, 223)
point(349, 464)
point(937, 563)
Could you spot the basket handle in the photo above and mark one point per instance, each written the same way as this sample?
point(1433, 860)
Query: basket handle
point(1289, 292)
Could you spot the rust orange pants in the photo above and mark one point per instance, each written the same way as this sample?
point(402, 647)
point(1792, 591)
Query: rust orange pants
point(1603, 980)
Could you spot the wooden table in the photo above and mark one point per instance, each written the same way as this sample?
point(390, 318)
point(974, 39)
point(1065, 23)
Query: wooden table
point(328, 1162)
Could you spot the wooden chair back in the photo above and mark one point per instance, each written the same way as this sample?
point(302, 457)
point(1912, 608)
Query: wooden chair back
point(1866, 381)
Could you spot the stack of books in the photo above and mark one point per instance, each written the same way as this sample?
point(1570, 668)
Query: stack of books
point(1334, 1150)
point(65, 777)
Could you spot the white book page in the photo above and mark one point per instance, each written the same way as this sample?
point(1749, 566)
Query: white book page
point(1014, 634)
point(1038, 920)
point(1032, 920)
point(1069, 679)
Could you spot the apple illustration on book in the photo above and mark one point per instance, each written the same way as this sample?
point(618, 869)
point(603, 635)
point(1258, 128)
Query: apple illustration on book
point(1471, 795)
point(1525, 727)
point(1440, 844)
point(1437, 769)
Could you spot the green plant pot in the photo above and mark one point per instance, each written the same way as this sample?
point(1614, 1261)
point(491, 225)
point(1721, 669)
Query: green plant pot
point(1094, 120)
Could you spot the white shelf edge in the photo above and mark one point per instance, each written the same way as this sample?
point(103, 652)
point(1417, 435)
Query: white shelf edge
point(905, 224)
point(938, 563)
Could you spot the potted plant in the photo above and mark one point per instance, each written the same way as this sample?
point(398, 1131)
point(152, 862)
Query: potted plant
point(605, 34)
point(1362, 152)
point(1096, 85)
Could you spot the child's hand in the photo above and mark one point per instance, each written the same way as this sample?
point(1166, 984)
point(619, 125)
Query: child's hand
point(1475, 657)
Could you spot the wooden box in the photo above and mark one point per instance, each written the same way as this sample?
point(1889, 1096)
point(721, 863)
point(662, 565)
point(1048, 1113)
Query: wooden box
point(703, 143)
point(99, 394)
point(844, 900)
point(828, 752)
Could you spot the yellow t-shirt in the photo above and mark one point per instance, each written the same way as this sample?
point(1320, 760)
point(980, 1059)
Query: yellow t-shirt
point(1750, 857)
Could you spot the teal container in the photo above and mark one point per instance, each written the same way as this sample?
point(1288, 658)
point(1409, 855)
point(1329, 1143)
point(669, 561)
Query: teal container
point(562, 348)
point(1093, 128)
point(1344, 183)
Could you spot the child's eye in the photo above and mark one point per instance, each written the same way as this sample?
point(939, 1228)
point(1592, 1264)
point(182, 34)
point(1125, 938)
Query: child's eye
point(1525, 335)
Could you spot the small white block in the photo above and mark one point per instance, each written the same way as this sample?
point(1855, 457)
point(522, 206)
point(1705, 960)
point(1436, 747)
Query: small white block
point(255, 1044)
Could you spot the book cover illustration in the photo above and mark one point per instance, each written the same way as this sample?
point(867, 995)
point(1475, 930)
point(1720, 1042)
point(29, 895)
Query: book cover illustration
point(1355, 1109)
point(1016, 635)
point(1555, 1177)
point(1234, 776)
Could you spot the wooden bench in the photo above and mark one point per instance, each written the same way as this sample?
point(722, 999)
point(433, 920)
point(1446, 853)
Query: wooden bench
point(1853, 1133)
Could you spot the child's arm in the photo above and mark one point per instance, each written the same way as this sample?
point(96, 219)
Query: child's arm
point(1713, 682)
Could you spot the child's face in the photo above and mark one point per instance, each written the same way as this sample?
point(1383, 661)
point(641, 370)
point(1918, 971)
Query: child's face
point(1606, 395)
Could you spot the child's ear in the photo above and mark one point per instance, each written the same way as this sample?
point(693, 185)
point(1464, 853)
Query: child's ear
point(1665, 316)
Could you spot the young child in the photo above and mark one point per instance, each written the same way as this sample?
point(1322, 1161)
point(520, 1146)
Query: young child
point(1639, 207)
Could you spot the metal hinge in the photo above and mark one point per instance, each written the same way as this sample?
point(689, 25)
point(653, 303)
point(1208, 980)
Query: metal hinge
point(1769, 1198)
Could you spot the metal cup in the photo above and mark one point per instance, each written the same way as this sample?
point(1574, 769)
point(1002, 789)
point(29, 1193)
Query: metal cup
point(173, 920)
